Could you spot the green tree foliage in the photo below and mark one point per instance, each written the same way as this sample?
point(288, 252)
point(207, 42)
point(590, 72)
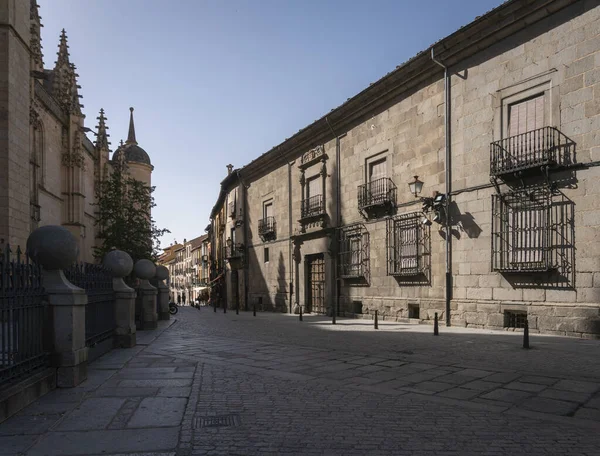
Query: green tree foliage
point(124, 216)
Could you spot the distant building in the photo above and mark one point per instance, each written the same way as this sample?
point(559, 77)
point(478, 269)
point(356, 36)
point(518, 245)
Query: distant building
point(474, 196)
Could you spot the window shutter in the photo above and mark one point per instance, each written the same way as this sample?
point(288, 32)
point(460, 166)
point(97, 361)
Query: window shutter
point(526, 116)
point(314, 187)
point(377, 170)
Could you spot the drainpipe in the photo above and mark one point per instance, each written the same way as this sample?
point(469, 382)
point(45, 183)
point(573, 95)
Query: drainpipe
point(338, 215)
point(448, 185)
point(245, 219)
point(290, 247)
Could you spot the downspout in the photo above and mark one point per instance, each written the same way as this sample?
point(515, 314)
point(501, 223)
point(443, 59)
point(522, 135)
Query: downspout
point(338, 215)
point(448, 185)
point(245, 219)
point(290, 247)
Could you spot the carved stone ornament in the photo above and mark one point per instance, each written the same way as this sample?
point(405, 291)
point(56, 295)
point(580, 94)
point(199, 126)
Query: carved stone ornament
point(323, 168)
point(312, 156)
point(34, 117)
point(302, 178)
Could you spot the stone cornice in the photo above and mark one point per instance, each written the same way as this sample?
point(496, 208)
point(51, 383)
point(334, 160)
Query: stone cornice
point(501, 22)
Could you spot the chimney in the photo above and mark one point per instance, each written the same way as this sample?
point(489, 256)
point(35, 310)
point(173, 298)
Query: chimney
point(184, 240)
point(229, 169)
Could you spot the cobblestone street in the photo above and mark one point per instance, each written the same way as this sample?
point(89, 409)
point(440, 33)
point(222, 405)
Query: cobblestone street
point(215, 383)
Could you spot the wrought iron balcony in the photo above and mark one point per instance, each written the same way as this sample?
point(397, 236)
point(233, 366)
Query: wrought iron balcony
point(545, 146)
point(266, 228)
point(312, 207)
point(234, 251)
point(379, 192)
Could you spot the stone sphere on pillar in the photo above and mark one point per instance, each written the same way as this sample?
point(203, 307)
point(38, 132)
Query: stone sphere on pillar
point(144, 269)
point(53, 247)
point(118, 262)
point(162, 273)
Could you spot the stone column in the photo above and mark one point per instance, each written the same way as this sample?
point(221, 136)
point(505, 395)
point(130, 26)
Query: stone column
point(147, 294)
point(55, 249)
point(162, 273)
point(121, 265)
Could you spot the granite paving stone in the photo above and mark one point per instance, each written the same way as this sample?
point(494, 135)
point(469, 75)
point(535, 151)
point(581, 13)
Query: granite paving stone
point(160, 383)
point(505, 395)
point(93, 413)
point(158, 411)
point(568, 396)
point(532, 387)
point(577, 386)
point(174, 392)
point(547, 405)
point(481, 385)
point(12, 445)
point(106, 441)
point(586, 413)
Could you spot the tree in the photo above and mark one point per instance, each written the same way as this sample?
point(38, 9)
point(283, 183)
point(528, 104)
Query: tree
point(124, 216)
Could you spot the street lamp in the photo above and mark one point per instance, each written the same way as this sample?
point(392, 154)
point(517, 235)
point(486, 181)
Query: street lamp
point(416, 186)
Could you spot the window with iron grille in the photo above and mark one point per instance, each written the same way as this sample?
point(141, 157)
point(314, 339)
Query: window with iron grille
point(515, 318)
point(408, 248)
point(354, 251)
point(521, 231)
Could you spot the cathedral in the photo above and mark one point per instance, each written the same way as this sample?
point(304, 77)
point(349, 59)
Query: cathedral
point(49, 168)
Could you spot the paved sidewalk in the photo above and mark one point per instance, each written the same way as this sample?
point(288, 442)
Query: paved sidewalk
point(187, 391)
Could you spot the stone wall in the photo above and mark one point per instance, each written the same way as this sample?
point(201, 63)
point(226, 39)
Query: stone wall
point(14, 122)
point(558, 56)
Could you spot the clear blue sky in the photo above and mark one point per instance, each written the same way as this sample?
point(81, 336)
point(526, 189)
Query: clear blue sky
point(222, 81)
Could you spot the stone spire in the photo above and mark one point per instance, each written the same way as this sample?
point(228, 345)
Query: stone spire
point(102, 142)
point(131, 135)
point(64, 79)
point(35, 43)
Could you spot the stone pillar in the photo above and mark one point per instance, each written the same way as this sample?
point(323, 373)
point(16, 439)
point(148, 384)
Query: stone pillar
point(55, 248)
point(162, 273)
point(121, 265)
point(147, 294)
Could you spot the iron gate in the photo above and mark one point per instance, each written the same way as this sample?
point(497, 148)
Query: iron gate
point(316, 284)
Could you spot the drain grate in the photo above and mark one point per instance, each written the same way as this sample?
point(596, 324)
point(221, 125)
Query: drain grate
point(216, 421)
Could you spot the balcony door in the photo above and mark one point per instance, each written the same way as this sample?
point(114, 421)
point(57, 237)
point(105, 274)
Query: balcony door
point(377, 183)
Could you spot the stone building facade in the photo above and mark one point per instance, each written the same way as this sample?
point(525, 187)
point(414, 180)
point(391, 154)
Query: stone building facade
point(463, 183)
point(188, 268)
point(49, 169)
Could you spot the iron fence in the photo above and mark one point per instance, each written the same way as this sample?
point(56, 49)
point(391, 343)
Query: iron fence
point(100, 318)
point(377, 192)
point(23, 317)
point(541, 147)
point(312, 206)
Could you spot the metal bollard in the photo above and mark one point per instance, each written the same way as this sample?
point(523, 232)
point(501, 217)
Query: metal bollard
point(237, 309)
point(376, 323)
point(254, 309)
point(300, 316)
point(225, 308)
point(436, 331)
point(526, 335)
point(333, 315)
point(215, 306)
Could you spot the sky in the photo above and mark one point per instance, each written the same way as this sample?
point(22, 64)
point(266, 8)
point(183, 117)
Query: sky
point(218, 82)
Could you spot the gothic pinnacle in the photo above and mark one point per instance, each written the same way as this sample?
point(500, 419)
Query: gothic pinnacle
point(131, 135)
point(63, 49)
point(101, 135)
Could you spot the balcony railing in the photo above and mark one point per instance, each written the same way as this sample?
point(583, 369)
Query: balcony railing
point(234, 251)
point(312, 207)
point(266, 227)
point(378, 192)
point(545, 146)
